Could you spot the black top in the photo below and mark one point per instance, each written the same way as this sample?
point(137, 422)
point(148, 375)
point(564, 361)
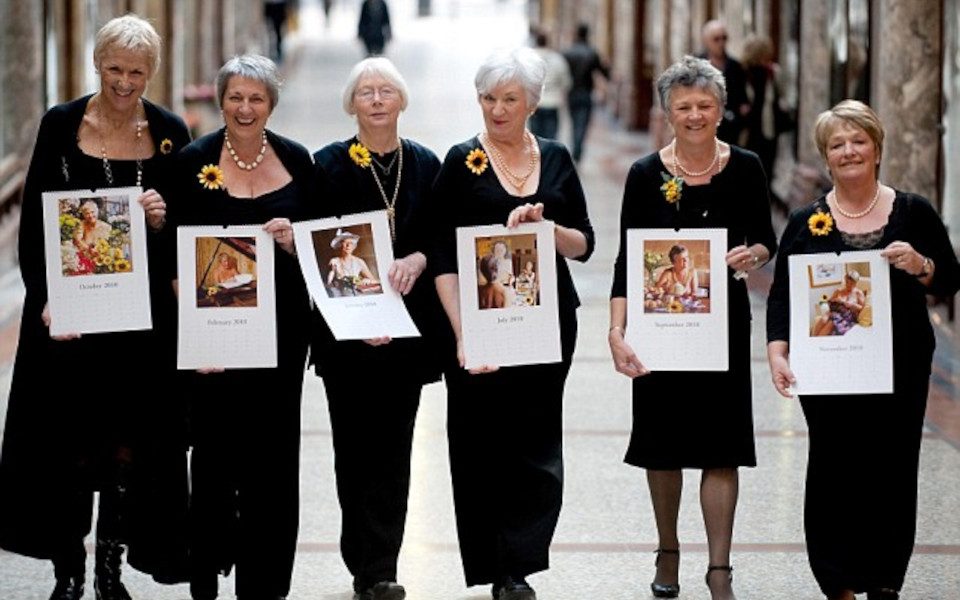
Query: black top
point(70, 413)
point(346, 188)
point(735, 77)
point(464, 199)
point(911, 220)
point(584, 62)
point(717, 431)
point(196, 205)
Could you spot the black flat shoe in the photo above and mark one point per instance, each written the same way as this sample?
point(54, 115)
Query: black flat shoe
point(514, 589)
point(665, 590)
point(883, 594)
point(385, 590)
point(70, 588)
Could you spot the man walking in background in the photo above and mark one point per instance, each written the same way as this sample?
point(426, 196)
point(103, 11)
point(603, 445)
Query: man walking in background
point(584, 63)
point(714, 37)
point(546, 120)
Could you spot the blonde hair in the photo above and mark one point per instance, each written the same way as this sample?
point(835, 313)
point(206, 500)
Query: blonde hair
point(128, 32)
point(757, 51)
point(850, 113)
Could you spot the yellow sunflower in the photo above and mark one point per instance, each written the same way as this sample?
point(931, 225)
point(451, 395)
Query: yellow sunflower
point(672, 187)
point(359, 155)
point(212, 290)
point(675, 307)
point(166, 146)
point(211, 177)
point(820, 223)
point(477, 161)
point(122, 265)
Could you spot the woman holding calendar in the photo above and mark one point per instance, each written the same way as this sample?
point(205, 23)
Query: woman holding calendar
point(694, 182)
point(860, 506)
point(102, 418)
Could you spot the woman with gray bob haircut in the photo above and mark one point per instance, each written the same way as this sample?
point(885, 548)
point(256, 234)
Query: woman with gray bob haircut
point(691, 72)
point(255, 68)
point(520, 65)
point(696, 181)
point(369, 69)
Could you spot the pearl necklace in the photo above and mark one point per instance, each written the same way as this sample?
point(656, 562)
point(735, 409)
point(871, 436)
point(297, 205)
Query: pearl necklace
point(107, 168)
point(245, 165)
point(678, 166)
point(392, 202)
point(862, 213)
point(517, 181)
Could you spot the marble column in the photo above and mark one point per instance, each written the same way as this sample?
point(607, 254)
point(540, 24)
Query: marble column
point(906, 91)
point(22, 92)
point(814, 92)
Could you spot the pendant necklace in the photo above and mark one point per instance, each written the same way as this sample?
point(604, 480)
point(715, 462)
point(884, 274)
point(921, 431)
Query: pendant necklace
point(392, 202)
point(107, 169)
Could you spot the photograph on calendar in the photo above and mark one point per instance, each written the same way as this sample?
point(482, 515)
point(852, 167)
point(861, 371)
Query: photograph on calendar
point(226, 272)
point(94, 235)
point(839, 298)
point(676, 276)
point(507, 271)
point(347, 260)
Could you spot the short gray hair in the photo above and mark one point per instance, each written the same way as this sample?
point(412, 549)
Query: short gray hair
point(690, 71)
point(522, 65)
point(250, 66)
point(128, 32)
point(376, 66)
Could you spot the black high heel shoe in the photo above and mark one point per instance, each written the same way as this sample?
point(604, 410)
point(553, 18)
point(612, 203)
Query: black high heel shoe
point(665, 590)
point(713, 568)
point(883, 594)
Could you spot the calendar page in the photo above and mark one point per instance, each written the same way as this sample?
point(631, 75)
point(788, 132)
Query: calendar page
point(345, 262)
point(841, 336)
point(95, 245)
point(227, 299)
point(677, 298)
point(508, 295)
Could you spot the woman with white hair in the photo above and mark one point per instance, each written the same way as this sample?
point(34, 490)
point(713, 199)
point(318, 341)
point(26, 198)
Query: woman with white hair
point(63, 440)
point(508, 494)
point(372, 424)
point(245, 497)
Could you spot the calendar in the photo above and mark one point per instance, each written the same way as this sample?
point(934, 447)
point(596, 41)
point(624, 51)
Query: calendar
point(95, 245)
point(509, 311)
point(345, 262)
point(227, 299)
point(841, 335)
point(677, 298)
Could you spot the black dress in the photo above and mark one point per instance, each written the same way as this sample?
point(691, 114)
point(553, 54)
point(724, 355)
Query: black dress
point(373, 392)
point(246, 422)
point(505, 428)
point(103, 417)
point(861, 492)
point(717, 427)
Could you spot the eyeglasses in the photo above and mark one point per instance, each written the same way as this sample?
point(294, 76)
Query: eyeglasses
point(720, 38)
point(368, 94)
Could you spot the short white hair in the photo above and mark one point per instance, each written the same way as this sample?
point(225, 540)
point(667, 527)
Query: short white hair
point(254, 67)
point(375, 66)
point(522, 65)
point(132, 33)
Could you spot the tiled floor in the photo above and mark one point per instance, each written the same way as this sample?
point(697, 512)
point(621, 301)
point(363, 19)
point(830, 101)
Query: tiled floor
point(604, 546)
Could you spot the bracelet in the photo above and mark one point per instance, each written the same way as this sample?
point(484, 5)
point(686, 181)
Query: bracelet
point(617, 328)
point(925, 269)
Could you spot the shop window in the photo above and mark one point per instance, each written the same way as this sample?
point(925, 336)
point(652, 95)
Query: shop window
point(849, 50)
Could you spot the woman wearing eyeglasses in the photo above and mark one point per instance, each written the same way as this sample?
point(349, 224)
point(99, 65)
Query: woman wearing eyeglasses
point(372, 418)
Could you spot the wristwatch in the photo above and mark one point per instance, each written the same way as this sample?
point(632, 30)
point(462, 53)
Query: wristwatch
point(926, 268)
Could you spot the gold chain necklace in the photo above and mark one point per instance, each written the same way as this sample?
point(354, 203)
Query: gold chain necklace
point(107, 168)
point(517, 181)
point(392, 202)
point(240, 163)
point(679, 168)
point(862, 213)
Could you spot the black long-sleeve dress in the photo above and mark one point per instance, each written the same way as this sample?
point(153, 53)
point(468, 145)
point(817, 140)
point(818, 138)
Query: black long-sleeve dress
point(717, 429)
point(245, 423)
point(861, 492)
point(373, 393)
point(74, 405)
point(504, 428)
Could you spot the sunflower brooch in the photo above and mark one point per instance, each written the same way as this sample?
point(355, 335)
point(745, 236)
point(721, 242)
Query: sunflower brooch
point(359, 155)
point(672, 188)
point(820, 223)
point(166, 146)
point(211, 177)
point(477, 161)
